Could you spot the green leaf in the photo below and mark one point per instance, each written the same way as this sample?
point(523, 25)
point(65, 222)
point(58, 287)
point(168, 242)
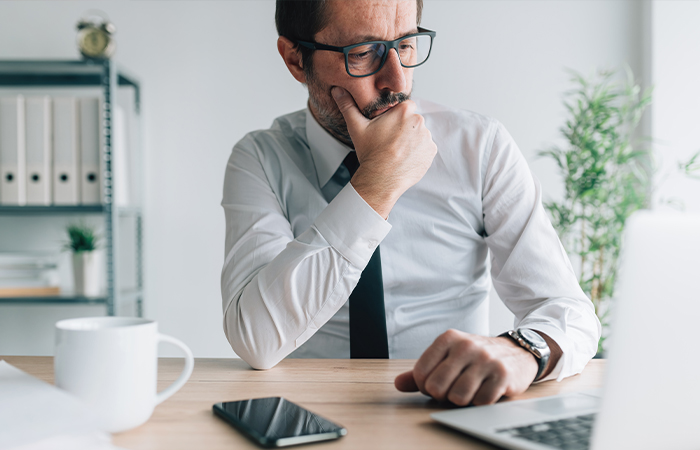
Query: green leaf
point(81, 238)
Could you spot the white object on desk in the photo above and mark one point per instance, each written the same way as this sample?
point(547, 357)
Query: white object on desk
point(111, 363)
point(38, 416)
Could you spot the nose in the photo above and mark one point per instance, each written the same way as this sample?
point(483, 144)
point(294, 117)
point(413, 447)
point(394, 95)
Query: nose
point(392, 75)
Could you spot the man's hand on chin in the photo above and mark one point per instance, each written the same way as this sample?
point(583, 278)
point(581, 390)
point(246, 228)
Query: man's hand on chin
point(394, 149)
point(466, 368)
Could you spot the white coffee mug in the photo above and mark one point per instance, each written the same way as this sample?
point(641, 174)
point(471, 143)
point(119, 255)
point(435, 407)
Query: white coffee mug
point(111, 364)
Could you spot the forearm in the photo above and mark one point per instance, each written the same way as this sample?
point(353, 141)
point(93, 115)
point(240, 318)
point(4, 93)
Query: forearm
point(530, 269)
point(288, 300)
point(277, 293)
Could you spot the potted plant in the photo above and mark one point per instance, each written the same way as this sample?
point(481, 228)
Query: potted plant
point(82, 242)
point(607, 177)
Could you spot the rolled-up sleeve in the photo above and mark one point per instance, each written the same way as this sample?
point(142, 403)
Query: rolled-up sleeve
point(530, 269)
point(278, 290)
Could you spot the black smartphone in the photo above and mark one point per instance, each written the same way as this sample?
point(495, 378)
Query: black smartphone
point(277, 422)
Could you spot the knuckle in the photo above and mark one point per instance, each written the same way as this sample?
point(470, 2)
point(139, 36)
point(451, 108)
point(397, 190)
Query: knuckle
point(451, 334)
point(444, 339)
point(404, 107)
point(464, 347)
point(433, 388)
point(498, 369)
point(420, 375)
point(482, 356)
point(458, 398)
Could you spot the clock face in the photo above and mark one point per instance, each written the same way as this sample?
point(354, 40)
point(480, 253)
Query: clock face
point(93, 42)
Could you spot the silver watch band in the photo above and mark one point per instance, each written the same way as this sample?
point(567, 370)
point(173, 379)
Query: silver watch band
point(540, 352)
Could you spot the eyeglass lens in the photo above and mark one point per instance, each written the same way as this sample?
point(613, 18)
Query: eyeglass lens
point(366, 59)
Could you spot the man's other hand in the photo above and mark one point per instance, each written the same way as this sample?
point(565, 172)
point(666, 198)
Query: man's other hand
point(394, 149)
point(466, 368)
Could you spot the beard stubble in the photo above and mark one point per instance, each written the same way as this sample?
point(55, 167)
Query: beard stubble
point(330, 117)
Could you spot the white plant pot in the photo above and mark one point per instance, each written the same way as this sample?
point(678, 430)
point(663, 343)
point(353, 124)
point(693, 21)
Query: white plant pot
point(86, 274)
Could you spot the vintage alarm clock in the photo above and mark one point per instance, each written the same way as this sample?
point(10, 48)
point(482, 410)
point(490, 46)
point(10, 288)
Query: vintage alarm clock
point(95, 37)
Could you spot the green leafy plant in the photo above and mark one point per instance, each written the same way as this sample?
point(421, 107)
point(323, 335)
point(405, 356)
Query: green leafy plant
point(81, 238)
point(691, 168)
point(606, 177)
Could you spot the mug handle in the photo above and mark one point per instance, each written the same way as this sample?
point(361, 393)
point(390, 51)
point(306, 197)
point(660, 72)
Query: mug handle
point(186, 372)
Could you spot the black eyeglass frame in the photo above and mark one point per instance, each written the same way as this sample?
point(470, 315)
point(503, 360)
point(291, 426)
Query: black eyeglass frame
point(389, 45)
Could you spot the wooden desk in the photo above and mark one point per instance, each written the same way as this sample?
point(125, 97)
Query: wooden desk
point(358, 394)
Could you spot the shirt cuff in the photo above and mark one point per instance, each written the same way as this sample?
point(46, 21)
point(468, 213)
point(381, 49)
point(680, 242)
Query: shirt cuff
point(561, 370)
point(352, 227)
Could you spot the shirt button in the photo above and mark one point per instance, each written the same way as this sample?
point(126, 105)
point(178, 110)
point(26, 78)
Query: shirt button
point(372, 243)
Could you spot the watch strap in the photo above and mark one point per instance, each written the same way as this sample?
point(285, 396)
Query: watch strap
point(541, 360)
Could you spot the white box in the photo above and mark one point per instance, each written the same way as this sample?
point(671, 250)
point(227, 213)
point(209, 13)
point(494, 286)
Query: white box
point(13, 186)
point(38, 143)
point(66, 178)
point(90, 179)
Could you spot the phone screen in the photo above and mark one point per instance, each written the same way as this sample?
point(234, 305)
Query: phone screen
point(277, 422)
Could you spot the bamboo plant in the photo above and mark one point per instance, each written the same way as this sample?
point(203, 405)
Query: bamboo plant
point(606, 177)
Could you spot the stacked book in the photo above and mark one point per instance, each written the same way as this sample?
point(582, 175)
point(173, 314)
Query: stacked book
point(28, 275)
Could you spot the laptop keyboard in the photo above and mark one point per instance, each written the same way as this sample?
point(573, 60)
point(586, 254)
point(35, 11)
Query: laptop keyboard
point(566, 434)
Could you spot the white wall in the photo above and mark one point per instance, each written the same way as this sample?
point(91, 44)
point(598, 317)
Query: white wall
point(675, 66)
point(210, 73)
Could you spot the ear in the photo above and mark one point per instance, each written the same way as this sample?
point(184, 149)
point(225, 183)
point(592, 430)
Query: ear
point(292, 58)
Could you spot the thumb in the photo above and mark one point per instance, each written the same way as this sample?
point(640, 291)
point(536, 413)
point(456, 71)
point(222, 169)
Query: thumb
point(405, 382)
point(353, 117)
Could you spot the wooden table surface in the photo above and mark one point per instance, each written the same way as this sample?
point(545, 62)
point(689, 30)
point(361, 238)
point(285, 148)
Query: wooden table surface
point(358, 394)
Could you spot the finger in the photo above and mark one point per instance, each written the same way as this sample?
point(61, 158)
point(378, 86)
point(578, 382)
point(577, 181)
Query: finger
point(440, 380)
point(461, 354)
point(432, 357)
point(407, 106)
point(491, 390)
point(405, 382)
point(467, 385)
point(353, 116)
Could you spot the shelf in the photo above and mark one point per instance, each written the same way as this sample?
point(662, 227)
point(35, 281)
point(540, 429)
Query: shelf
point(62, 299)
point(50, 210)
point(59, 73)
point(108, 76)
point(123, 211)
point(50, 73)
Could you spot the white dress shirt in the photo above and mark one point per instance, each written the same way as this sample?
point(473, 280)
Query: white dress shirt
point(298, 237)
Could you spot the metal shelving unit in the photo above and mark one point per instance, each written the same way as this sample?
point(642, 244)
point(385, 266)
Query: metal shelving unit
point(103, 74)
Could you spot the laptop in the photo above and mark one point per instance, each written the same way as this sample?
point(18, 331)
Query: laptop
point(651, 389)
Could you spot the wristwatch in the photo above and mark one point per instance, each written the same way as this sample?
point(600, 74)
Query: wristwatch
point(531, 341)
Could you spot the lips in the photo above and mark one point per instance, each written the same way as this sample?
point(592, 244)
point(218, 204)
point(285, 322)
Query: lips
point(383, 110)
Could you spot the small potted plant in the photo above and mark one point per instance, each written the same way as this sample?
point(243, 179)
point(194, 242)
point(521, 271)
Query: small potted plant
point(83, 241)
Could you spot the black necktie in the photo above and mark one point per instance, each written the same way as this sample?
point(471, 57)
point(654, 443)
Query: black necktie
point(368, 338)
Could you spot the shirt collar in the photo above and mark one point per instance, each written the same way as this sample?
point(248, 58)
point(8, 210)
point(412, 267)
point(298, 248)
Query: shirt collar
point(328, 152)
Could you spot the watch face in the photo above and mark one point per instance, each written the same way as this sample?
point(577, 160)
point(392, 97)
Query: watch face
point(533, 338)
point(93, 42)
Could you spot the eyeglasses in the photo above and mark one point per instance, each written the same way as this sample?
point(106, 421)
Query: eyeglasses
point(367, 58)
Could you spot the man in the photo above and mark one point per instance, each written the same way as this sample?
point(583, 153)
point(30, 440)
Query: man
point(439, 189)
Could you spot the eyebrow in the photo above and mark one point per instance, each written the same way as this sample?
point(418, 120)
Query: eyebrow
point(369, 37)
